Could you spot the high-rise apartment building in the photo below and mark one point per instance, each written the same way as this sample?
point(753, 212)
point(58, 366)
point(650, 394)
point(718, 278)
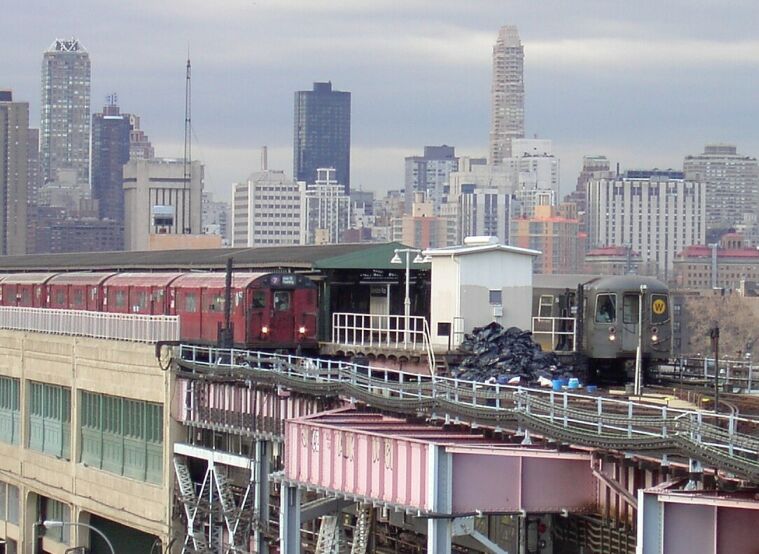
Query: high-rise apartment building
point(553, 234)
point(535, 173)
point(422, 228)
point(593, 167)
point(160, 200)
point(325, 209)
point(732, 184)
point(483, 212)
point(266, 210)
point(322, 133)
point(14, 174)
point(110, 151)
point(65, 118)
point(507, 94)
point(656, 213)
point(429, 174)
point(140, 147)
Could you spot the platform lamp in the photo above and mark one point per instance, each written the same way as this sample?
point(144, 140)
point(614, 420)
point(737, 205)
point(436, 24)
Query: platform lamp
point(418, 259)
point(50, 524)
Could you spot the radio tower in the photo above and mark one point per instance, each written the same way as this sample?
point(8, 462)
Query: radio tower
point(186, 229)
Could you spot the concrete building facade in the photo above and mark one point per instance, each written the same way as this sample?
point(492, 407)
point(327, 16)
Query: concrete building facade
point(483, 212)
point(161, 196)
point(732, 184)
point(656, 213)
point(551, 233)
point(266, 210)
point(324, 209)
point(429, 174)
point(422, 228)
point(721, 265)
point(535, 174)
point(65, 124)
point(110, 151)
point(507, 94)
point(322, 134)
point(14, 174)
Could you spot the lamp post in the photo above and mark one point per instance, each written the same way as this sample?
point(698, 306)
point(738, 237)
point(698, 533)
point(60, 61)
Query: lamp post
point(639, 351)
point(50, 524)
point(714, 335)
point(396, 259)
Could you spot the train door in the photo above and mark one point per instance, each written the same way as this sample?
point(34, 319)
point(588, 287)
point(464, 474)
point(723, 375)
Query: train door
point(630, 316)
point(257, 319)
point(282, 320)
point(93, 299)
point(188, 308)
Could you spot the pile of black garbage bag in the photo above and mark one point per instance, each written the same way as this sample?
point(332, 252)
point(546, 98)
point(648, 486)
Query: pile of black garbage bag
point(507, 356)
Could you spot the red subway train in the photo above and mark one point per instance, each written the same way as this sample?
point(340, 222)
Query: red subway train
point(268, 311)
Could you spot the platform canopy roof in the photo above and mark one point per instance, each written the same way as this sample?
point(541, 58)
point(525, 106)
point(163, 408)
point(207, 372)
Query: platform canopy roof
point(303, 258)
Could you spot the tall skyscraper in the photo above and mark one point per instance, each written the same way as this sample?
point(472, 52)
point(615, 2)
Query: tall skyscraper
point(322, 133)
point(656, 213)
point(732, 184)
point(507, 93)
point(65, 121)
point(429, 174)
point(14, 173)
point(110, 151)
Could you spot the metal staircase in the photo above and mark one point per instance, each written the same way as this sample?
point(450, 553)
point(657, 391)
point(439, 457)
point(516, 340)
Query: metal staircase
point(331, 536)
point(362, 531)
point(191, 504)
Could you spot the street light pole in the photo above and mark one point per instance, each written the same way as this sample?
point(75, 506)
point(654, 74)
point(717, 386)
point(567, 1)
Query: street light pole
point(639, 351)
point(407, 300)
point(50, 524)
point(714, 335)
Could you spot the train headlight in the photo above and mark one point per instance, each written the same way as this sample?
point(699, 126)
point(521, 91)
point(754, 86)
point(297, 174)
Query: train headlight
point(302, 329)
point(612, 334)
point(264, 330)
point(654, 334)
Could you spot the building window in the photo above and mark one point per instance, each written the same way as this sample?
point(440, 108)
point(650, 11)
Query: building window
point(10, 412)
point(53, 510)
point(49, 419)
point(9, 503)
point(495, 297)
point(122, 436)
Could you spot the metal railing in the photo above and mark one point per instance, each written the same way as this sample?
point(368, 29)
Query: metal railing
point(739, 374)
point(80, 323)
point(725, 441)
point(560, 331)
point(383, 331)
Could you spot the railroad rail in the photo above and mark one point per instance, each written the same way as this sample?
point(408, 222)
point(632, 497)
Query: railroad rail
point(712, 440)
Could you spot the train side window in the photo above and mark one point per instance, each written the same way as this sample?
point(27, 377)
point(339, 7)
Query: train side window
point(217, 303)
point(26, 297)
point(606, 308)
point(659, 308)
point(119, 298)
point(60, 297)
point(630, 307)
point(282, 300)
point(190, 302)
point(259, 299)
point(78, 297)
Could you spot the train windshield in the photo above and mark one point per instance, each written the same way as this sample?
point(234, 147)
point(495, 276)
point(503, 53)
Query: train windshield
point(659, 308)
point(606, 308)
point(282, 300)
point(630, 308)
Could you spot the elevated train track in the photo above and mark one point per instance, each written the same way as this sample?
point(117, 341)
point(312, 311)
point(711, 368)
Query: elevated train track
point(725, 442)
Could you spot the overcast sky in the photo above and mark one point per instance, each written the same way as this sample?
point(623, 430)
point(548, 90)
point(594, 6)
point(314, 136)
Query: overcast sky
point(643, 82)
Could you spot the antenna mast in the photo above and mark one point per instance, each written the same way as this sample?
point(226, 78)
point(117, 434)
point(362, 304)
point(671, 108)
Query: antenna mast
point(187, 228)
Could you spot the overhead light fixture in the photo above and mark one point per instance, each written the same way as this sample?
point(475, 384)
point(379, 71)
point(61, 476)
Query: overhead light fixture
point(396, 259)
point(419, 259)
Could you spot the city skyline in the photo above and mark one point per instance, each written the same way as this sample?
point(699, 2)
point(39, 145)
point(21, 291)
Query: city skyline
point(644, 87)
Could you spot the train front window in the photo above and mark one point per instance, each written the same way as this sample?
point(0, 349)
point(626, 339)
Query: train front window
point(282, 300)
point(259, 299)
point(606, 308)
point(659, 308)
point(630, 308)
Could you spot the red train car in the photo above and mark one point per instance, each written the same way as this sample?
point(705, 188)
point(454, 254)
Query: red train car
point(79, 290)
point(27, 290)
point(139, 293)
point(269, 310)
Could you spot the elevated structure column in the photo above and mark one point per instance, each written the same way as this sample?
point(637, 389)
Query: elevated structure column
point(440, 471)
point(289, 520)
point(262, 494)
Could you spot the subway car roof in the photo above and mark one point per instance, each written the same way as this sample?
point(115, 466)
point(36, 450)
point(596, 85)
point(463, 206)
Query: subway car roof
point(80, 278)
point(625, 283)
point(208, 279)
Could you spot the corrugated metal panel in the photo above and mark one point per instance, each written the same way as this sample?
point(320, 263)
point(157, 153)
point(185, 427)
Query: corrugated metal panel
point(49, 419)
point(10, 414)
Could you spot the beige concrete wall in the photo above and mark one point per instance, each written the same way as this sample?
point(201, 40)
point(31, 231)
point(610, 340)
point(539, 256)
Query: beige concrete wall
point(116, 368)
